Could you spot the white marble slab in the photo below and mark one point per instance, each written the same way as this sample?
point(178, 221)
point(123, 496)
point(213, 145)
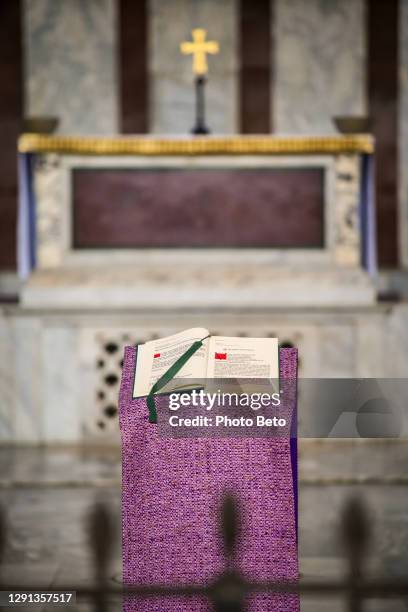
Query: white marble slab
point(70, 64)
point(28, 367)
point(319, 59)
point(61, 384)
point(217, 286)
point(7, 379)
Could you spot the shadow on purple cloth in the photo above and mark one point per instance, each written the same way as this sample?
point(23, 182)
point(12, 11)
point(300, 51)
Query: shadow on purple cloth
point(171, 494)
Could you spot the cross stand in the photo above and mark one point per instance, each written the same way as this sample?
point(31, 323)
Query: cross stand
point(199, 47)
point(200, 126)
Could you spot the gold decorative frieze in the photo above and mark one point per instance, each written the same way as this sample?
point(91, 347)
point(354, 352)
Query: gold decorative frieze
point(208, 145)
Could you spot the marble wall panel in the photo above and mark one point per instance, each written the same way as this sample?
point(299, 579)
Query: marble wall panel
point(347, 223)
point(28, 421)
point(70, 63)
point(62, 391)
point(49, 183)
point(319, 57)
point(7, 379)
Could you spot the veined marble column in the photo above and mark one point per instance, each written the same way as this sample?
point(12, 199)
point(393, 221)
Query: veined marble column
point(171, 78)
point(319, 56)
point(70, 64)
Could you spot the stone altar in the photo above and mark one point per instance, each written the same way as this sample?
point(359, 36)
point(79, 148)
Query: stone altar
point(209, 270)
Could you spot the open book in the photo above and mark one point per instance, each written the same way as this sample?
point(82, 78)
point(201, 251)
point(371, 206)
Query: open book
point(218, 357)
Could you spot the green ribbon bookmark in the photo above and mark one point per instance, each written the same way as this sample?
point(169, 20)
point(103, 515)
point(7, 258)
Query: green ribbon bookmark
point(168, 375)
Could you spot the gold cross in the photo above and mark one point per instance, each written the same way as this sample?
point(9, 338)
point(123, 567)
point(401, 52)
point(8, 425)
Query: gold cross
point(199, 49)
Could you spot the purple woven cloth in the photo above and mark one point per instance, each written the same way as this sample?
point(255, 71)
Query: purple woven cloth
point(171, 493)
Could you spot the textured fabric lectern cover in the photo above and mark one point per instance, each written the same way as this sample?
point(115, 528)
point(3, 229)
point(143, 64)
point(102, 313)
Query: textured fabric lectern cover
point(171, 498)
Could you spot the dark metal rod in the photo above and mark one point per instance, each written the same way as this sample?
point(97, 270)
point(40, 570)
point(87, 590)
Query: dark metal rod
point(200, 126)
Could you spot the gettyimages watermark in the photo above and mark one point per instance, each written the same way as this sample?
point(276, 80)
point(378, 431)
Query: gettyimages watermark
point(224, 407)
point(309, 408)
point(219, 400)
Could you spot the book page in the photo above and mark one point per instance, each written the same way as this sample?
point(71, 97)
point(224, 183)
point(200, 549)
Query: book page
point(155, 357)
point(243, 357)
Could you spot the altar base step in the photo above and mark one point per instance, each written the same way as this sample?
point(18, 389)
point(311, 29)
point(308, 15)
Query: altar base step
point(213, 286)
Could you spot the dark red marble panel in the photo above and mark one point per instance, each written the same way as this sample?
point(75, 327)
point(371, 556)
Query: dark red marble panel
point(382, 42)
point(256, 69)
point(11, 105)
point(198, 208)
point(133, 71)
